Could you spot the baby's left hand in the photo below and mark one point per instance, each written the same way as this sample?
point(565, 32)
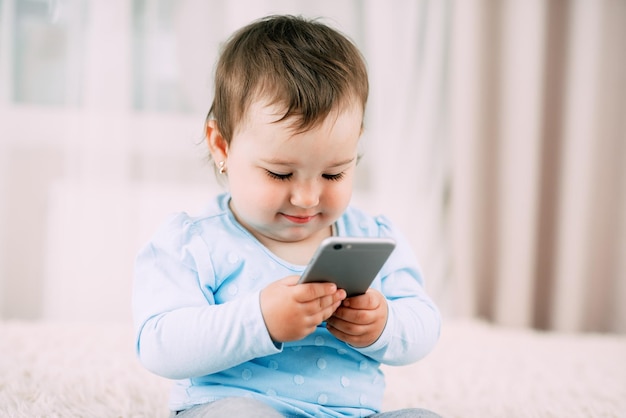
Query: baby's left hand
point(360, 320)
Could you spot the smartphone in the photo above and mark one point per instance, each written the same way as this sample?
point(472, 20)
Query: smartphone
point(350, 262)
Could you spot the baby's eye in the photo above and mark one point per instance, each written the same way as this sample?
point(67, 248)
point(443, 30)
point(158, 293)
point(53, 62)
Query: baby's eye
point(334, 177)
point(277, 176)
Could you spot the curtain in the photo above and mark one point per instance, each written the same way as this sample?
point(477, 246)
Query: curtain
point(406, 134)
point(538, 133)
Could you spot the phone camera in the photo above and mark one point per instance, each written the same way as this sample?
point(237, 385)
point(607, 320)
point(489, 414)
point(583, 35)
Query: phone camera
point(337, 246)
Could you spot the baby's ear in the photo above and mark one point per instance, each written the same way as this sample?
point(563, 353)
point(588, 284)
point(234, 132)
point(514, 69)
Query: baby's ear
point(218, 146)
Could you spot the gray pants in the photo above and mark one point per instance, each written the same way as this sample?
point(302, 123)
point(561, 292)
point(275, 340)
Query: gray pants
point(251, 408)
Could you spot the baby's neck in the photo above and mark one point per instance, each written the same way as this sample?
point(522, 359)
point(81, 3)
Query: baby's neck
point(299, 252)
point(294, 252)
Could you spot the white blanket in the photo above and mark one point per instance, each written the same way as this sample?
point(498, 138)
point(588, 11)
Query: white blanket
point(477, 370)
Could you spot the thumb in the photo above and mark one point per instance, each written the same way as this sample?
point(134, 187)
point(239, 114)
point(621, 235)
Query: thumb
point(289, 280)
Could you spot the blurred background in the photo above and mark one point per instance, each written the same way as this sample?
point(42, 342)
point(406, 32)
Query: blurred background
point(495, 137)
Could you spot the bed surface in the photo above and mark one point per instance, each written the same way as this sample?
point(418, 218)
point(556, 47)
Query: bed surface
point(52, 369)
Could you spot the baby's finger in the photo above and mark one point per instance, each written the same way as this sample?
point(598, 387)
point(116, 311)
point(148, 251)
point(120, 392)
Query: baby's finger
point(368, 300)
point(330, 310)
point(308, 292)
point(356, 316)
point(326, 303)
point(344, 328)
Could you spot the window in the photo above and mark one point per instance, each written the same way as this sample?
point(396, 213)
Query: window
point(48, 49)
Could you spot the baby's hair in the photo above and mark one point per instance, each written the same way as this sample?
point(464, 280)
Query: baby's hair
point(302, 65)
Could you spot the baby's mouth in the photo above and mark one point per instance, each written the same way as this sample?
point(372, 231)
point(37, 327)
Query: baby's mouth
point(299, 219)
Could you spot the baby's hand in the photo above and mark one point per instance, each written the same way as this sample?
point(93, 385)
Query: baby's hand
point(360, 320)
point(292, 311)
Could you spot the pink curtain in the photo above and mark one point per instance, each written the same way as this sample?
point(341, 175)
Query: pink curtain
point(538, 133)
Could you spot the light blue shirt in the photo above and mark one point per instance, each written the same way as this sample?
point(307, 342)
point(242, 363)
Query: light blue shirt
point(198, 320)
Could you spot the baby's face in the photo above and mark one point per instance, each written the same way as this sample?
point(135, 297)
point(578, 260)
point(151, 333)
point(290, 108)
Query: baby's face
point(290, 187)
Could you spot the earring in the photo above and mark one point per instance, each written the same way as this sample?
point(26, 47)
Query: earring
point(221, 167)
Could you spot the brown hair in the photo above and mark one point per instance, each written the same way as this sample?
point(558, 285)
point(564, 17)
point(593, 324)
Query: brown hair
point(303, 65)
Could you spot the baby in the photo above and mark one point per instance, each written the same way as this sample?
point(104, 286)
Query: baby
point(216, 302)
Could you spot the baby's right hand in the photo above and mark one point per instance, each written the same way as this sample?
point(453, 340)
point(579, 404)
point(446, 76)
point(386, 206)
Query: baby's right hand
point(292, 311)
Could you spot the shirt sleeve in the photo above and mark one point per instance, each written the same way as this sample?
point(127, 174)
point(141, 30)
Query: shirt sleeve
point(413, 321)
point(180, 331)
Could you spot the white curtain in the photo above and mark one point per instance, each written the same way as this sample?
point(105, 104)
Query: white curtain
point(408, 44)
point(539, 157)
